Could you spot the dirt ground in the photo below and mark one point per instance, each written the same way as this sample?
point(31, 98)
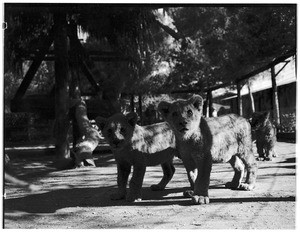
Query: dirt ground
point(79, 198)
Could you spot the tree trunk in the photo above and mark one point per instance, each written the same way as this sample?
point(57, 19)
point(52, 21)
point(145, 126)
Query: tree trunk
point(275, 102)
point(61, 91)
point(252, 103)
point(239, 99)
point(89, 137)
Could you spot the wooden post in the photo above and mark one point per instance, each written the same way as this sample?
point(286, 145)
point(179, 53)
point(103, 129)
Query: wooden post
point(275, 102)
point(75, 93)
point(210, 104)
point(61, 91)
point(239, 99)
point(251, 97)
point(205, 108)
point(208, 100)
point(141, 109)
point(132, 103)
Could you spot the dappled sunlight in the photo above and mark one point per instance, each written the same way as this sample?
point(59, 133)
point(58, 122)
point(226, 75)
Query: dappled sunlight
point(84, 193)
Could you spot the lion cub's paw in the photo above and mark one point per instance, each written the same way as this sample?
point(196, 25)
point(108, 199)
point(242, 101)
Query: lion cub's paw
point(188, 193)
point(117, 196)
point(133, 198)
point(156, 187)
point(231, 185)
point(199, 200)
point(268, 159)
point(260, 158)
point(246, 187)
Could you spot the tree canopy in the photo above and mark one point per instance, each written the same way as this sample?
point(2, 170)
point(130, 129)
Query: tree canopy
point(227, 42)
point(198, 47)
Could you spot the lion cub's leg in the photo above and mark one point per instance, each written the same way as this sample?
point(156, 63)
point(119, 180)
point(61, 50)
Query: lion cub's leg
point(123, 173)
point(204, 166)
point(273, 152)
point(251, 167)
point(239, 170)
point(168, 170)
point(268, 156)
point(260, 150)
point(192, 173)
point(136, 182)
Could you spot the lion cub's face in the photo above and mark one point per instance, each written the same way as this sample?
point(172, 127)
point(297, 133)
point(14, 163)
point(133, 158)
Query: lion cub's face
point(183, 115)
point(118, 129)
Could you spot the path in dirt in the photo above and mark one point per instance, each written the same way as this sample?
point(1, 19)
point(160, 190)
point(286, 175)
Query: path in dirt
point(79, 198)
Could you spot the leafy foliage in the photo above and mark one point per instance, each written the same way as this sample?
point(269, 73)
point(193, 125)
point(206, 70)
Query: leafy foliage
point(220, 44)
point(25, 26)
point(226, 42)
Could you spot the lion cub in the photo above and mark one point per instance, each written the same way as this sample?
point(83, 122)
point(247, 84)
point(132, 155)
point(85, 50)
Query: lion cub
point(265, 134)
point(138, 146)
point(201, 141)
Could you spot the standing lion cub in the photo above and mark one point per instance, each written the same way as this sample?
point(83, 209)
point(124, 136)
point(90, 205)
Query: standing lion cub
point(201, 141)
point(138, 146)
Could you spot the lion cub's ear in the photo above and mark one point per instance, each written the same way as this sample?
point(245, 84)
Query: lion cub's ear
point(164, 108)
point(197, 102)
point(100, 122)
point(132, 118)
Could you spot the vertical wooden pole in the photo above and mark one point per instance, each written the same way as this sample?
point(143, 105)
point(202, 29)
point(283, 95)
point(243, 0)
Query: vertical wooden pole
point(252, 103)
point(205, 110)
point(75, 78)
point(132, 103)
point(239, 99)
point(141, 109)
point(210, 104)
point(61, 90)
point(275, 102)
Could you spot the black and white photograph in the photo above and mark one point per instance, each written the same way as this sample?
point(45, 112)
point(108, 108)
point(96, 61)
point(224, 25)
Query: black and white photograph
point(149, 115)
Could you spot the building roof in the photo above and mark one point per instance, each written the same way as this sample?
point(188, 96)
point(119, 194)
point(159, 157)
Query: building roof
point(262, 81)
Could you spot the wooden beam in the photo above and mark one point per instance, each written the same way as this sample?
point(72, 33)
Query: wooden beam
point(239, 99)
point(39, 57)
point(286, 63)
point(89, 75)
point(275, 102)
point(84, 63)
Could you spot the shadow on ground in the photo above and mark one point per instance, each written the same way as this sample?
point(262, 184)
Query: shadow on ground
point(50, 202)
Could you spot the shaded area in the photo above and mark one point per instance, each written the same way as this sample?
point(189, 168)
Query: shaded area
point(52, 201)
point(80, 198)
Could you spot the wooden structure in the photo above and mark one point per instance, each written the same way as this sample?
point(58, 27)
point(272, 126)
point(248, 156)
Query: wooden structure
point(69, 57)
point(239, 81)
point(64, 102)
